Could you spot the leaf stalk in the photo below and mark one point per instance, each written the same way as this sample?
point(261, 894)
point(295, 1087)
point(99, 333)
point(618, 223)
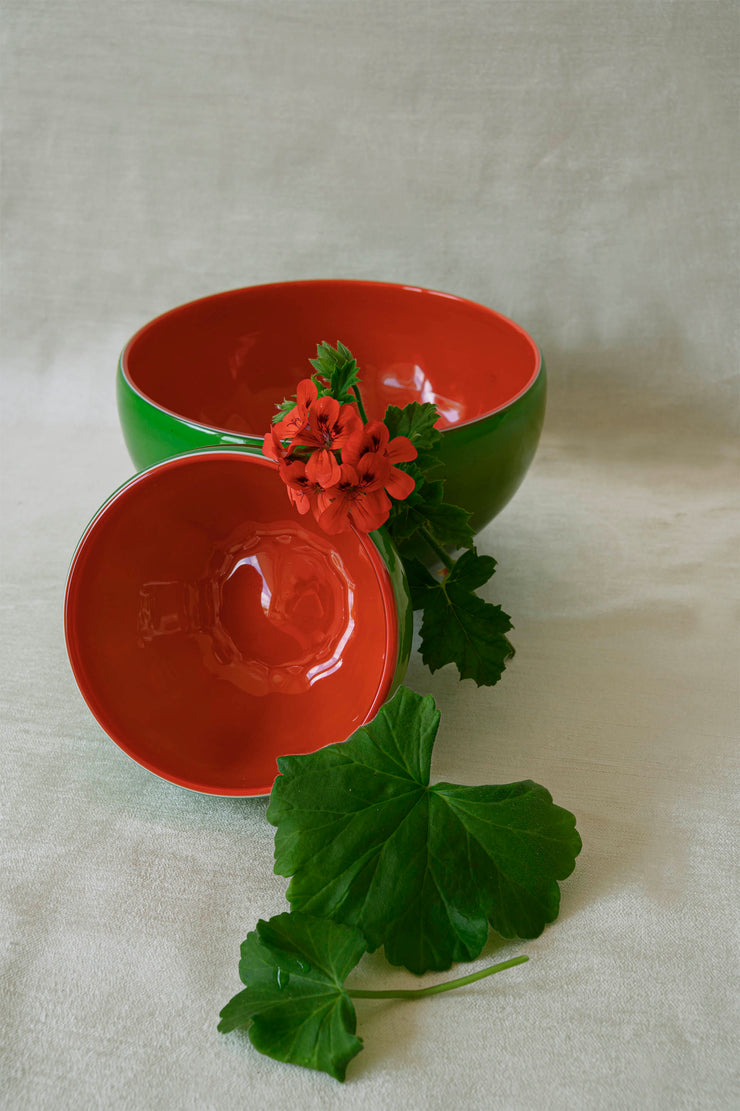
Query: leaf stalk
point(436, 548)
point(360, 406)
point(435, 989)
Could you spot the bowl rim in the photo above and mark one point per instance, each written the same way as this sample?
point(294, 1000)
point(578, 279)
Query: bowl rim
point(393, 637)
point(254, 438)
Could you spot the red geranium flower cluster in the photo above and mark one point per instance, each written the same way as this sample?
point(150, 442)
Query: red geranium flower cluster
point(337, 467)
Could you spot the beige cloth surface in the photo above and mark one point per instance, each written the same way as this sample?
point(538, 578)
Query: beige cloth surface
point(571, 164)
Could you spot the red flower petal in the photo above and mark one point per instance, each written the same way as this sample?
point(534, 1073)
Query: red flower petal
point(325, 411)
point(376, 435)
point(348, 422)
point(293, 423)
point(401, 450)
point(307, 392)
point(348, 478)
point(353, 449)
point(308, 438)
point(292, 471)
point(272, 446)
point(323, 468)
point(372, 471)
point(335, 518)
point(301, 491)
point(301, 500)
point(399, 484)
point(370, 511)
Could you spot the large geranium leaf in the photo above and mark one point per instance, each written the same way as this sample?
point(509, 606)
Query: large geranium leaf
point(422, 870)
point(294, 1004)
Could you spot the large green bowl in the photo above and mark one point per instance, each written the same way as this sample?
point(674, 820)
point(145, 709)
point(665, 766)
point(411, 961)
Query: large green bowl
point(209, 374)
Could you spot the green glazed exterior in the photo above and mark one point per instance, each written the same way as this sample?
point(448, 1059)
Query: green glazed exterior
point(485, 460)
point(153, 434)
point(404, 605)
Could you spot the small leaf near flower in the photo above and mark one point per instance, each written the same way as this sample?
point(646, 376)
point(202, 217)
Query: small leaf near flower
point(425, 508)
point(282, 409)
point(337, 370)
point(459, 627)
point(416, 421)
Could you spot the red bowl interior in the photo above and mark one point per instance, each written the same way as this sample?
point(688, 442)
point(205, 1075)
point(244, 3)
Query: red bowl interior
point(211, 629)
point(225, 361)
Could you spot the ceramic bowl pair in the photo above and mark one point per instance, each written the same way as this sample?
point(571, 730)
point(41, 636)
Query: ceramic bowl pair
point(212, 629)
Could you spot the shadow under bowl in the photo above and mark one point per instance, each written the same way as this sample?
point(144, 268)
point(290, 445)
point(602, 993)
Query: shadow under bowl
point(211, 372)
point(211, 629)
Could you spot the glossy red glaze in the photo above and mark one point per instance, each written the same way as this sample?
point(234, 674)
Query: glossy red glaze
point(211, 629)
point(224, 361)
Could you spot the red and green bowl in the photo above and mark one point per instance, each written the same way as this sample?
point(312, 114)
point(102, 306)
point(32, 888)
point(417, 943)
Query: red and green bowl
point(211, 629)
point(209, 374)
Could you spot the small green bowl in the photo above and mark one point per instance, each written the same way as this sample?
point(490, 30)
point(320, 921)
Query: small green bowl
point(209, 374)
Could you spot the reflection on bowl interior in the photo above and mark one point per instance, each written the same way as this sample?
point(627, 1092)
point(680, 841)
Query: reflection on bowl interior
point(273, 612)
point(210, 630)
point(225, 361)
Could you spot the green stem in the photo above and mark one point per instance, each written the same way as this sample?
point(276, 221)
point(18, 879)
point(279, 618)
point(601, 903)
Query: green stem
point(360, 406)
point(448, 985)
point(436, 548)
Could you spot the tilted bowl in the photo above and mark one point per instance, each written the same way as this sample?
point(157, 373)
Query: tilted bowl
point(211, 629)
point(210, 373)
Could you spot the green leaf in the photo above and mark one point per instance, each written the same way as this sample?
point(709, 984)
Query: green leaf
point(420, 581)
point(424, 508)
point(461, 628)
point(471, 570)
point(415, 421)
point(408, 516)
point(336, 374)
point(419, 869)
point(294, 1003)
point(282, 410)
point(338, 368)
point(450, 524)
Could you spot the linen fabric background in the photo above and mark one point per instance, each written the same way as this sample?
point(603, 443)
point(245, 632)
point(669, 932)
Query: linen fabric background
point(571, 164)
